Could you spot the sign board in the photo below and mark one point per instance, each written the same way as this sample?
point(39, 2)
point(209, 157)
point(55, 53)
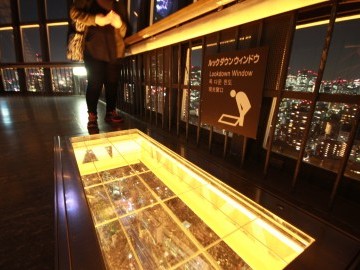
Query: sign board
point(232, 90)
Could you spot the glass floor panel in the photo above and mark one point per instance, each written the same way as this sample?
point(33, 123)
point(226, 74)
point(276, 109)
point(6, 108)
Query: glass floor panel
point(152, 209)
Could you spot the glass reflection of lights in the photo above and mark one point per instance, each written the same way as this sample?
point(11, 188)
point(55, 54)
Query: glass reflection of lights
point(81, 114)
point(71, 201)
point(79, 71)
point(5, 113)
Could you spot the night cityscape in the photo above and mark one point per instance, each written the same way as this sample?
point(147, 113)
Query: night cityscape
point(330, 126)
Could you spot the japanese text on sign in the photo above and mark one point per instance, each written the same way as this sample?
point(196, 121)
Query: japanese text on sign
point(229, 61)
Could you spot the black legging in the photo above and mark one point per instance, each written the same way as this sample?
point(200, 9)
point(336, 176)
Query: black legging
point(99, 74)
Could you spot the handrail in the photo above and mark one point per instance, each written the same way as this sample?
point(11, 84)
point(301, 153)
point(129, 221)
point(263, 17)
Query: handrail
point(41, 64)
point(182, 16)
point(239, 13)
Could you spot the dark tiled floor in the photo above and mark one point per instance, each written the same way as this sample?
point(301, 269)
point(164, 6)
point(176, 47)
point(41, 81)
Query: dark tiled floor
point(28, 127)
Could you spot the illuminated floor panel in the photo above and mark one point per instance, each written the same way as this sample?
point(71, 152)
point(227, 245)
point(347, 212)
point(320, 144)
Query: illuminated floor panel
point(165, 213)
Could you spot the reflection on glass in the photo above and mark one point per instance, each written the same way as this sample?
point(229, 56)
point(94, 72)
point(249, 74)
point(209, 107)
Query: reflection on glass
point(134, 18)
point(289, 130)
point(163, 8)
point(5, 12)
point(7, 48)
point(31, 44)
point(28, 5)
point(329, 133)
point(305, 58)
point(342, 71)
point(165, 213)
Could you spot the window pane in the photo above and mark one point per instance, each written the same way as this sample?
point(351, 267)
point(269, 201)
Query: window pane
point(196, 64)
point(139, 15)
point(160, 68)
point(153, 69)
point(10, 79)
point(342, 71)
point(129, 89)
point(28, 10)
point(163, 8)
point(154, 93)
point(248, 36)
point(7, 49)
point(353, 166)
point(79, 80)
point(289, 130)
point(5, 12)
point(227, 40)
point(56, 9)
point(58, 39)
point(62, 80)
point(35, 79)
point(195, 77)
point(329, 133)
point(160, 82)
point(31, 43)
point(211, 44)
point(185, 94)
point(305, 58)
point(155, 98)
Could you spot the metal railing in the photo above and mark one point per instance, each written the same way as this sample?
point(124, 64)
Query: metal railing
point(48, 78)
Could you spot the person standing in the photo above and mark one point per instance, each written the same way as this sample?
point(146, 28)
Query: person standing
point(106, 27)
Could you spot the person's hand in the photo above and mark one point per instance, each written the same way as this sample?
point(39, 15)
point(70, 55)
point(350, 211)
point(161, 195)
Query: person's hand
point(115, 20)
point(102, 20)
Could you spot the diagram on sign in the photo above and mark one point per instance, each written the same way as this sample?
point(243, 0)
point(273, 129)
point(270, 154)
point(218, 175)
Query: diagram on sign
point(243, 105)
